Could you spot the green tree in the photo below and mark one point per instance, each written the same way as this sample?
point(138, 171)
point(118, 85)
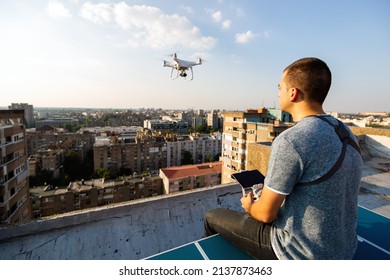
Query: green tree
point(102, 173)
point(186, 158)
point(72, 166)
point(208, 157)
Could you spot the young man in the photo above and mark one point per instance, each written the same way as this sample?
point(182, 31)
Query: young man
point(302, 213)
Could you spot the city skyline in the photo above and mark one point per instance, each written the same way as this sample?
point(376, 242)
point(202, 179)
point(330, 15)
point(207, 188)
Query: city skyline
point(108, 54)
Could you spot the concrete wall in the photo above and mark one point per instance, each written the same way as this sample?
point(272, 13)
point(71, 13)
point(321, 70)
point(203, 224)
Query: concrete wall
point(370, 130)
point(132, 230)
point(378, 146)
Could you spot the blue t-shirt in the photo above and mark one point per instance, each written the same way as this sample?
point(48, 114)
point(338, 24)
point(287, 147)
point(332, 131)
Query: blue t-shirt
point(316, 221)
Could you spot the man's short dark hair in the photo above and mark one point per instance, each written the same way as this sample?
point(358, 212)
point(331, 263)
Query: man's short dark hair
point(311, 76)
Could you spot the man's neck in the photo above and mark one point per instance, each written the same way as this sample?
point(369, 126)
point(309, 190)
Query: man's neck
point(304, 111)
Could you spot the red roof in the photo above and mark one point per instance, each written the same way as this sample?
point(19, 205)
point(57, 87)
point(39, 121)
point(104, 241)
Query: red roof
point(184, 171)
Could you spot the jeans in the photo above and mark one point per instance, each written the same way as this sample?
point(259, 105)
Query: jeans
point(251, 236)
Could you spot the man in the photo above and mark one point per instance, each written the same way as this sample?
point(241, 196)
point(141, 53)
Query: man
point(308, 206)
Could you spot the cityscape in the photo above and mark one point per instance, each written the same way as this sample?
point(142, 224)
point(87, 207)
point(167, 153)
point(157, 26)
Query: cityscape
point(83, 158)
point(60, 165)
point(122, 122)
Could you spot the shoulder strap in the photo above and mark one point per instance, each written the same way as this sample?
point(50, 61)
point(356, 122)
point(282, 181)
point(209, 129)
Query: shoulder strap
point(345, 138)
point(342, 132)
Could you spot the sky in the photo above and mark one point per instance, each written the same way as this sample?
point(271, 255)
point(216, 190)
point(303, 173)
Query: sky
point(109, 54)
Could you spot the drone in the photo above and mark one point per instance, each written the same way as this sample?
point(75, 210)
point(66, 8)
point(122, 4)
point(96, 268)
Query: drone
point(181, 67)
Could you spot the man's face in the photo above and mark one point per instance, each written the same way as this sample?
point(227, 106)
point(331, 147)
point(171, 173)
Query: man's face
point(283, 94)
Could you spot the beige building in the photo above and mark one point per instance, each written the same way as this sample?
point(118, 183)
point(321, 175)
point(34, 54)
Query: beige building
point(28, 112)
point(15, 204)
point(48, 137)
point(241, 129)
point(143, 155)
point(188, 177)
point(198, 146)
point(49, 200)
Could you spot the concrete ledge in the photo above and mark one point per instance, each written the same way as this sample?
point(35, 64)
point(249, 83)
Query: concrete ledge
point(131, 230)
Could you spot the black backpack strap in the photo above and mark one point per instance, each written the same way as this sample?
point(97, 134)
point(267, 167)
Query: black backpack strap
point(342, 132)
point(345, 138)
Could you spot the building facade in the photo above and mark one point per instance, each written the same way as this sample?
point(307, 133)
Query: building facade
point(49, 200)
point(200, 148)
point(15, 206)
point(28, 112)
point(241, 129)
point(188, 177)
point(144, 155)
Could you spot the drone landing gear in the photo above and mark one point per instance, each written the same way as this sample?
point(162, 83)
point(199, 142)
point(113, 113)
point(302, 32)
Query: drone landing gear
point(182, 73)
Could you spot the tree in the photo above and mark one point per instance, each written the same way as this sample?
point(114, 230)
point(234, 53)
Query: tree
point(102, 173)
point(72, 166)
point(186, 158)
point(216, 157)
point(208, 157)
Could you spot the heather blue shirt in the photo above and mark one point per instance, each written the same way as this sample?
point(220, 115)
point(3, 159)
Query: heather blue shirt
point(316, 221)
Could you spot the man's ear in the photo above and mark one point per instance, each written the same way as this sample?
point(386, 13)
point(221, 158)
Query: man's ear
point(294, 94)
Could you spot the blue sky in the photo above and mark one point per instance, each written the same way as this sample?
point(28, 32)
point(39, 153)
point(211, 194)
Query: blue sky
point(108, 54)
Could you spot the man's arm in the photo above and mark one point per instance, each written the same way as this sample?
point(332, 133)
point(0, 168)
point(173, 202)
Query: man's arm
point(266, 208)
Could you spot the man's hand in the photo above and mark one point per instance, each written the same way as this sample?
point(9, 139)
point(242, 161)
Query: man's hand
point(247, 201)
point(266, 208)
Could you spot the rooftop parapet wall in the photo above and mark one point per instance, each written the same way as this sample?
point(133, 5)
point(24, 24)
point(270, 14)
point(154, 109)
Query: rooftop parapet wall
point(369, 131)
point(132, 230)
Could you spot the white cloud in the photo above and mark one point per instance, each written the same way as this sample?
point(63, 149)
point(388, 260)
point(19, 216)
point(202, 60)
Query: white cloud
point(97, 13)
point(226, 24)
point(148, 26)
point(188, 9)
point(217, 16)
point(56, 9)
point(245, 37)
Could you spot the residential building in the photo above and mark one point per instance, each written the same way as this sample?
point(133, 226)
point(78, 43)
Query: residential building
point(165, 126)
point(200, 147)
point(28, 112)
point(115, 154)
point(188, 177)
point(15, 204)
point(242, 128)
point(57, 122)
point(50, 200)
point(48, 137)
point(212, 120)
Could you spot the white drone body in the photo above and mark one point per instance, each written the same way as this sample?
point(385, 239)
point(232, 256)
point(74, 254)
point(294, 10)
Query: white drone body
point(181, 67)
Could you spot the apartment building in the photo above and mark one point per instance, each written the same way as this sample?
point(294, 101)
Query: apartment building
point(164, 126)
point(242, 128)
point(57, 122)
point(188, 177)
point(213, 119)
point(48, 137)
point(49, 200)
point(200, 147)
point(15, 204)
point(114, 154)
point(28, 112)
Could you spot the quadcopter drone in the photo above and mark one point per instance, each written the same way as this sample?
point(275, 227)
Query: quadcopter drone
point(181, 67)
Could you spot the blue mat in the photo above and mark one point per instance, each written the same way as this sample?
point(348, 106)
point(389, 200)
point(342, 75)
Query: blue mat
point(373, 234)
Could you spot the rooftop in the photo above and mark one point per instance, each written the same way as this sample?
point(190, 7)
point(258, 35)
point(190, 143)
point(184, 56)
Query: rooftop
point(192, 170)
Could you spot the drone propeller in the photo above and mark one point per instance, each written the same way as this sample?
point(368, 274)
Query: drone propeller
point(172, 54)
